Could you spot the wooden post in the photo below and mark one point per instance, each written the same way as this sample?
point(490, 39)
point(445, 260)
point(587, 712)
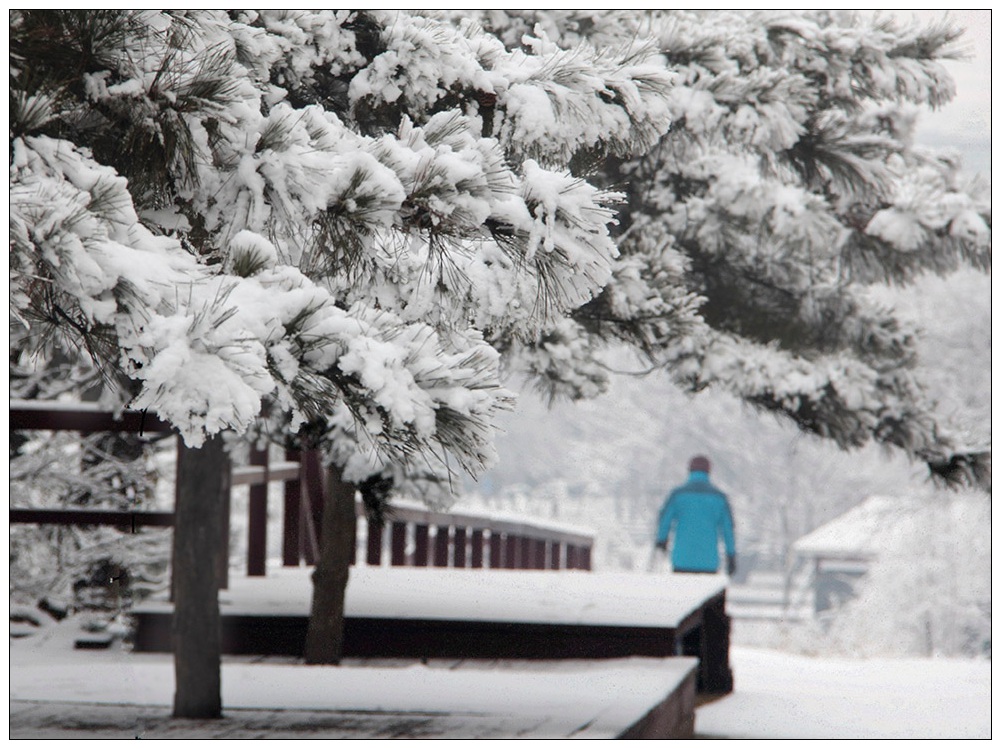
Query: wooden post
point(398, 544)
point(571, 557)
point(538, 554)
point(422, 545)
point(441, 544)
point(476, 542)
point(552, 555)
point(459, 547)
point(496, 550)
point(511, 552)
point(257, 520)
point(292, 507)
point(715, 676)
point(373, 555)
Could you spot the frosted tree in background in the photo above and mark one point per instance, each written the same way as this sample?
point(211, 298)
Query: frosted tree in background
point(756, 231)
point(927, 592)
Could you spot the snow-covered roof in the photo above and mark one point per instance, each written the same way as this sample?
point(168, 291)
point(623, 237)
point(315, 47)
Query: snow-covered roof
point(861, 532)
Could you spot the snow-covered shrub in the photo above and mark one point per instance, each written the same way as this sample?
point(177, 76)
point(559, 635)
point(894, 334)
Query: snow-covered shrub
point(929, 592)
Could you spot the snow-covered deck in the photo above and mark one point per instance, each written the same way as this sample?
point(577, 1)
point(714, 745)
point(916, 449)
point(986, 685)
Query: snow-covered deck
point(59, 692)
point(408, 612)
point(562, 597)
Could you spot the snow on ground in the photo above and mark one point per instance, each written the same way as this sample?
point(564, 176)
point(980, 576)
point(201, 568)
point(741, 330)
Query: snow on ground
point(784, 696)
point(777, 695)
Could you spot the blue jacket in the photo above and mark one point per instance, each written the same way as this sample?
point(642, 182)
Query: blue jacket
point(697, 513)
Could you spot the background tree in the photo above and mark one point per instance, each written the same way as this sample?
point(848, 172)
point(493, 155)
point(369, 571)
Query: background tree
point(924, 217)
point(759, 230)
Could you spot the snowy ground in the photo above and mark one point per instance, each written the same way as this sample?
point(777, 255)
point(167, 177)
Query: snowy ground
point(783, 696)
point(777, 695)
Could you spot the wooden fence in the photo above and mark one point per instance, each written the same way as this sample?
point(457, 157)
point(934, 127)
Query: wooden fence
point(411, 536)
point(416, 537)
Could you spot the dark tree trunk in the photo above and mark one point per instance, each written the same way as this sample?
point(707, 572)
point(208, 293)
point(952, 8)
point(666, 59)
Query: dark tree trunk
point(325, 635)
point(203, 477)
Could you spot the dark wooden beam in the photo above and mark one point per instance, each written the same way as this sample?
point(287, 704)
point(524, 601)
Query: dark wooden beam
point(118, 518)
point(56, 417)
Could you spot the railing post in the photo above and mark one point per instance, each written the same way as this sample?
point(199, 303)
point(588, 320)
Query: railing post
point(524, 553)
point(554, 555)
point(422, 544)
point(441, 544)
point(538, 554)
point(496, 550)
point(292, 508)
point(571, 557)
point(459, 547)
point(476, 542)
point(398, 544)
point(373, 556)
point(257, 517)
point(511, 552)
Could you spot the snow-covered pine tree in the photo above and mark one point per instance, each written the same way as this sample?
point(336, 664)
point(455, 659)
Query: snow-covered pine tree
point(788, 188)
point(337, 221)
point(306, 222)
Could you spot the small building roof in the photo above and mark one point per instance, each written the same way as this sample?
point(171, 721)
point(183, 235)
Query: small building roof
point(861, 533)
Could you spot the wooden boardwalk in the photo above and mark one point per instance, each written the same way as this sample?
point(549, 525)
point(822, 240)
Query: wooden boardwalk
point(463, 614)
point(59, 692)
point(562, 633)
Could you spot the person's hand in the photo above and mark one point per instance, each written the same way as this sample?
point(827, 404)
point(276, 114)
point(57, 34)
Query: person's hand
point(731, 564)
point(662, 545)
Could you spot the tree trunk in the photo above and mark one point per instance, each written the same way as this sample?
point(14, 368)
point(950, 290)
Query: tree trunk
point(325, 635)
point(203, 477)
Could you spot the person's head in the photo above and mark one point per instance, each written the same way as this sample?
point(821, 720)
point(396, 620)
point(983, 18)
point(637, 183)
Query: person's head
point(699, 463)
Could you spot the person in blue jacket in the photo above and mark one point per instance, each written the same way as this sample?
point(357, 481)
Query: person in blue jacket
point(697, 513)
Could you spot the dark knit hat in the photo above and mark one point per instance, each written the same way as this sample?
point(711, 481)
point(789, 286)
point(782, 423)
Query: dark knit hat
point(699, 463)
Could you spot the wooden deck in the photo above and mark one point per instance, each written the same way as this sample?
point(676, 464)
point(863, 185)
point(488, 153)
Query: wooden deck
point(466, 614)
point(629, 699)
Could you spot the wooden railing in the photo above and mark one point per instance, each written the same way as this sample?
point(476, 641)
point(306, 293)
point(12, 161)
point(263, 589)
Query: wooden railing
point(411, 536)
point(417, 537)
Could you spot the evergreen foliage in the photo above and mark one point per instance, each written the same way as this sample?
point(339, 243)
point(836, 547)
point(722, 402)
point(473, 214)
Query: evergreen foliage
point(755, 231)
point(345, 216)
point(336, 228)
point(278, 213)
